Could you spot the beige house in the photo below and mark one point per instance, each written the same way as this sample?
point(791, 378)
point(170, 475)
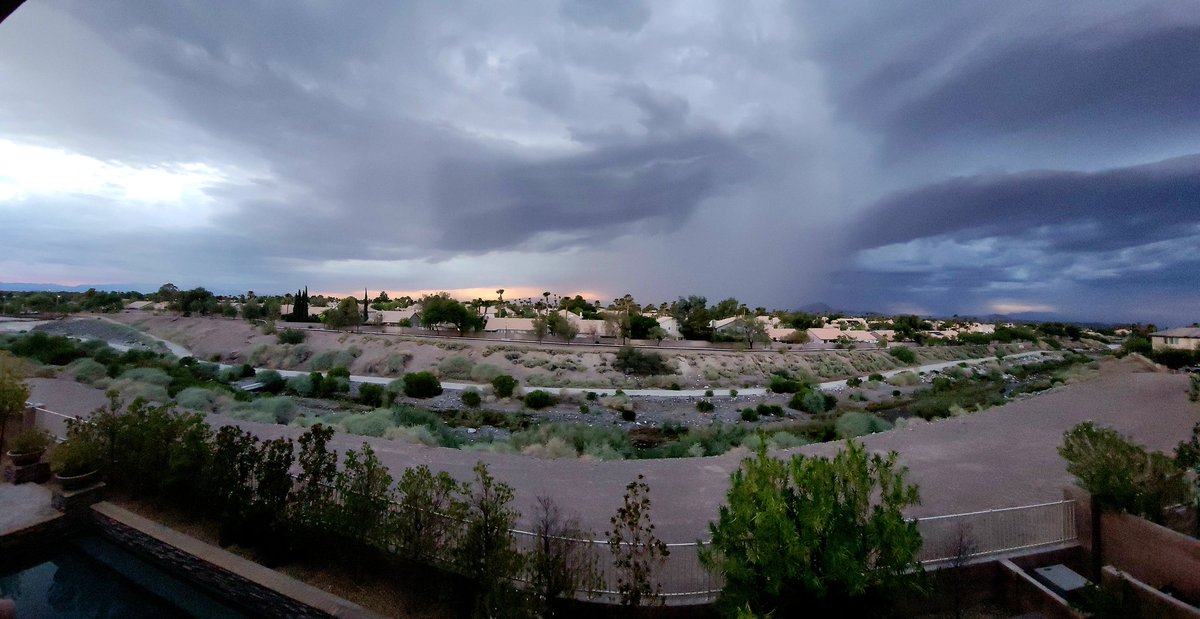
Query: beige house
point(509, 325)
point(394, 317)
point(830, 335)
point(1186, 338)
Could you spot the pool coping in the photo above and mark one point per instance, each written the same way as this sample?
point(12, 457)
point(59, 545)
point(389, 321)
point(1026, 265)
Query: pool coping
point(240, 580)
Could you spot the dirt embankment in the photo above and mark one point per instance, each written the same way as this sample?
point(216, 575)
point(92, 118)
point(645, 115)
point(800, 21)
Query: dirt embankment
point(535, 365)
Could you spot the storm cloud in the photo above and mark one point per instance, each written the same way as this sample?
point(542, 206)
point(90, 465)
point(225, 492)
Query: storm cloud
point(914, 155)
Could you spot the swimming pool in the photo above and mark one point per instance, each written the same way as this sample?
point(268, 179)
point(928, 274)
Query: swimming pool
point(90, 577)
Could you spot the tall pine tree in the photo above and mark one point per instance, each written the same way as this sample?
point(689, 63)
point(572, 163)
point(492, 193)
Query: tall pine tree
point(365, 306)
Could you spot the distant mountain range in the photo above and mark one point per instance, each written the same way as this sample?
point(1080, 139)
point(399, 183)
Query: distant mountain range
point(1020, 317)
point(24, 287)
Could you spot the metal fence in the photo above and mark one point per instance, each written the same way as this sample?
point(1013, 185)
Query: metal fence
point(996, 531)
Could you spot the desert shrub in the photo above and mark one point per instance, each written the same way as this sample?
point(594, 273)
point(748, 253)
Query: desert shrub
point(876, 377)
point(456, 367)
point(749, 414)
point(87, 371)
point(134, 389)
point(503, 386)
point(903, 355)
point(471, 397)
point(590, 396)
point(708, 393)
point(1122, 475)
point(413, 434)
point(421, 385)
point(292, 336)
point(266, 410)
point(630, 360)
point(780, 384)
point(583, 408)
point(485, 372)
point(812, 401)
point(201, 399)
point(408, 416)
point(373, 423)
point(854, 382)
point(272, 381)
point(705, 406)
point(301, 385)
point(733, 393)
point(573, 439)
point(538, 399)
point(154, 376)
point(338, 358)
point(629, 415)
point(370, 394)
point(765, 410)
point(904, 379)
point(283, 356)
point(618, 402)
point(854, 423)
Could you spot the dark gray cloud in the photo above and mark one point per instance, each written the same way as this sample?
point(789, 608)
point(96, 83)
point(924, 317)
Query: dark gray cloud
point(970, 241)
point(915, 154)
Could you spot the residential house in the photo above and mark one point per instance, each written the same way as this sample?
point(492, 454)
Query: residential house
point(671, 326)
point(831, 335)
point(1185, 338)
point(509, 326)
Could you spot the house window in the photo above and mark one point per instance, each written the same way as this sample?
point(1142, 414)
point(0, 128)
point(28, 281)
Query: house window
point(1172, 341)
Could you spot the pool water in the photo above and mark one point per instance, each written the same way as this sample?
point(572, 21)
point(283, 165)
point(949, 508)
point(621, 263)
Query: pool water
point(90, 577)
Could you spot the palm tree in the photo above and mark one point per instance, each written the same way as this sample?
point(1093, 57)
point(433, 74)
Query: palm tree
point(500, 293)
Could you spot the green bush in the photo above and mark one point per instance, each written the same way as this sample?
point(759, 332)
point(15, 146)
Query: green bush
point(780, 384)
point(471, 398)
point(421, 385)
point(456, 367)
point(504, 385)
point(876, 377)
point(485, 372)
point(280, 410)
point(708, 393)
point(272, 381)
point(812, 401)
point(630, 360)
point(292, 336)
point(408, 416)
point(853, 424)
point(374, 423)
point(749, 414)
point(87, 371)
point(904, 379)
point(903, 355)
point(538, 399)
point(854, 382)
point(705, 406)
point(371, 394)
point(301, 385)
point(765, 410)
point(154, 376)
point(201, 399)
point(329, 359)
point(628, 415)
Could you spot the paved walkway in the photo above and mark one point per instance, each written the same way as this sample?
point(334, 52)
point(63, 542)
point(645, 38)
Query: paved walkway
point(24, 506)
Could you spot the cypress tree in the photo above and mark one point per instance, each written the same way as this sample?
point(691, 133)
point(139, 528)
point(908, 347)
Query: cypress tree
point(365, 306)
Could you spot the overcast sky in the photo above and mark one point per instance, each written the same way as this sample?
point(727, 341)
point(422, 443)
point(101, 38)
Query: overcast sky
point(899, 156)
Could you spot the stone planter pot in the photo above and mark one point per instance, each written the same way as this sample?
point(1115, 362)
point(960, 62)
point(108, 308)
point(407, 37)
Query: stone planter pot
point(26, 459)
point(75, 482)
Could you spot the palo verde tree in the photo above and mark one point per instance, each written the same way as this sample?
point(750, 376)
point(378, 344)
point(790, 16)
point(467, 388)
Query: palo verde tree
point(636, 551)
point(813, 536)
point(440, 309)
